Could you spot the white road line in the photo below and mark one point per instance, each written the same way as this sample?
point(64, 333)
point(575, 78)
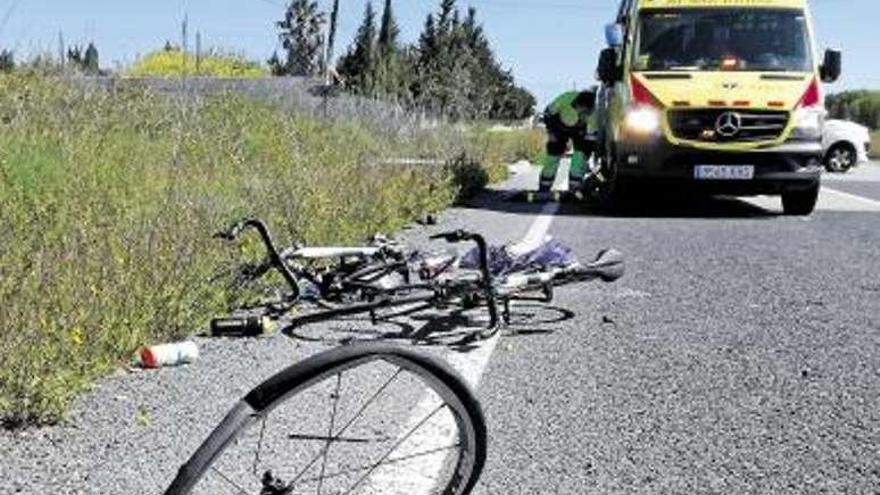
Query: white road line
point(830, 199)
point(538, 231)
point(420, 477)
point(872, 204)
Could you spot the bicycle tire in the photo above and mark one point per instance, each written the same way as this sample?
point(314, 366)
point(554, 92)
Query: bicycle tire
point(293, 381)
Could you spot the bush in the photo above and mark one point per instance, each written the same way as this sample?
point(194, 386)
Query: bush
point(875, 144)
point(173, 63)
point(468, 176)
point(859, 106)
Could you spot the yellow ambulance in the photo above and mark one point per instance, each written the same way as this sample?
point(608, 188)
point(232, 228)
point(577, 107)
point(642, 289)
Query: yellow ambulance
point(722, 96)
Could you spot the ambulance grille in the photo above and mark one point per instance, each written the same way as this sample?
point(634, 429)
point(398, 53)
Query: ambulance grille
point(703, 125)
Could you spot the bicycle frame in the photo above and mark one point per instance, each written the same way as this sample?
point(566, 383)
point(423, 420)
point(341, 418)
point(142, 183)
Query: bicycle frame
point(436, 293)
point(608, 266)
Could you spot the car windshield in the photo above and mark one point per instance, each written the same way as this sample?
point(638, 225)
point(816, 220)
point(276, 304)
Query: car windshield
point(729, 39)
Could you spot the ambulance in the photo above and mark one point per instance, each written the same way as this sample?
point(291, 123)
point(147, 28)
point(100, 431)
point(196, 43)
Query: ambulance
point(717, 96)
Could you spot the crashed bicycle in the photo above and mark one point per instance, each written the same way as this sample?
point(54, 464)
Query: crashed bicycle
point(328, 283)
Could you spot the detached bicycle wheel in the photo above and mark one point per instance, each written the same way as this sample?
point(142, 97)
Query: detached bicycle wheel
point(362, 419)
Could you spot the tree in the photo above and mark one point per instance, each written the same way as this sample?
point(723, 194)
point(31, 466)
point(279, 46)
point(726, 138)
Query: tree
point(301, 36)
point(451, 70)
point(331, 39)
point(91, 64)
point(388, 30)
point(444, 18)
point(390, 80)
point(7, 61)
point(356, 66)
point(276, 68)
point(860, 106)
point(75, 56)
point(84, 61)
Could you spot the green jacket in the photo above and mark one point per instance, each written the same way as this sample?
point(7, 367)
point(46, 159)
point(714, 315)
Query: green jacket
point(563, 109)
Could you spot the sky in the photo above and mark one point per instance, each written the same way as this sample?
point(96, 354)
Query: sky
point(550, 45)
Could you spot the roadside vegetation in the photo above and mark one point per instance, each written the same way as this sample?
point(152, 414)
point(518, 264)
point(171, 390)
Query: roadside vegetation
point(451, 70)
point(172, 62)
point(859, 106)
point(108, 202)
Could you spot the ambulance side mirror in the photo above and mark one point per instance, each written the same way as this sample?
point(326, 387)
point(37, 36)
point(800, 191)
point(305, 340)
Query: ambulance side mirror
point(608, 71)
point(831, 66)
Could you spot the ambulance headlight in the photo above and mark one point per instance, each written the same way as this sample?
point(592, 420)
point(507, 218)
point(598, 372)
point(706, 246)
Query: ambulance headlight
point(642, 120)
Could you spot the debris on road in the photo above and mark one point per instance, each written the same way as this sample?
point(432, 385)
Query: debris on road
point(252, 326)
point(167, 355)
point(427, 219)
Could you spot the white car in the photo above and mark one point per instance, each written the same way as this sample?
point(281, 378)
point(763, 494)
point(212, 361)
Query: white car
point(846, 144)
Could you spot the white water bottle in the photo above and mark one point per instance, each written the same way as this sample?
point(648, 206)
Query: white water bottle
point(159, 356)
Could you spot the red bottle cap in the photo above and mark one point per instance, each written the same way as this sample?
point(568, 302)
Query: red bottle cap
point(148, 359)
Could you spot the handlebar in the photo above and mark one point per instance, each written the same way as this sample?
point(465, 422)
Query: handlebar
point(483, 248)
point(276, 259)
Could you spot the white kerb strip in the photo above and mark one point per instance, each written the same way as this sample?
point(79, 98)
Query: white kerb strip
point(420, 476)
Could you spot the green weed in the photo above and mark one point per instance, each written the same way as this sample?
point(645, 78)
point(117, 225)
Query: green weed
point(108, 201)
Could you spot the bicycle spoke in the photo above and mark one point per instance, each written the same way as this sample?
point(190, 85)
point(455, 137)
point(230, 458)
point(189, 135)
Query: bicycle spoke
point(347, 426)
point(394, 447)
point(239, 489)
point(330, 431)
point(388, 462)
point(324, 438)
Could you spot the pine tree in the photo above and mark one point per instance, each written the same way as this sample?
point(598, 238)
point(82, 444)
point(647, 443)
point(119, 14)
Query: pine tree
point(444, 19)
point(357, 65)
point(331, 38)
point(301, 37)
point(90, 60)
point(388, 70)
point(428, 41)
point(388, 30)
point(451, 70)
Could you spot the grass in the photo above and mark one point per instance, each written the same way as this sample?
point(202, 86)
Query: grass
point(875, 144)
point(108, 203)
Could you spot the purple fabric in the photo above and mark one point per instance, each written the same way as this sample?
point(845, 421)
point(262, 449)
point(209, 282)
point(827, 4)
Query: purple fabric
point(551, 254)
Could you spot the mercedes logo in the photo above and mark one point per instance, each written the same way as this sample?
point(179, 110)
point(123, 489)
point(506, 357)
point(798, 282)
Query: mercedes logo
point(728, 124)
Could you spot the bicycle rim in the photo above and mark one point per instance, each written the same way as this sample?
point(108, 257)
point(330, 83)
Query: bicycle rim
point(368, 419)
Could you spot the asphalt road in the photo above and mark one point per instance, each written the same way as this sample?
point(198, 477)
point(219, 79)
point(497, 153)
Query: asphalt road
point(740, 354)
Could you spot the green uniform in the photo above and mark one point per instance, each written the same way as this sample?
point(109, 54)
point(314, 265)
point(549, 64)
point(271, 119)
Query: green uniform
point(565, 123)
